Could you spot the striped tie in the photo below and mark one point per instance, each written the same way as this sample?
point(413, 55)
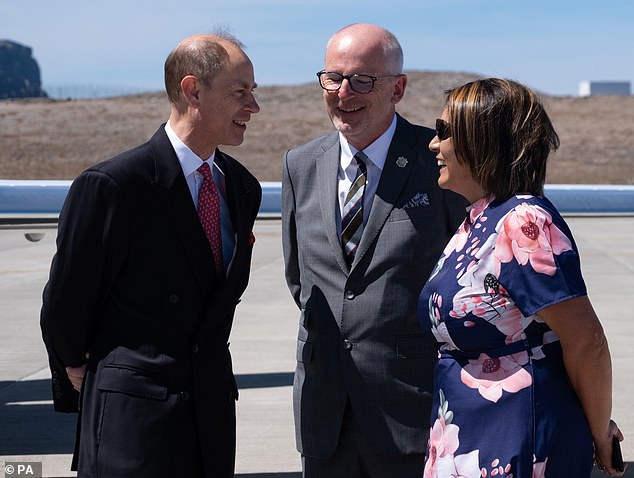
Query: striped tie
point(352, 217)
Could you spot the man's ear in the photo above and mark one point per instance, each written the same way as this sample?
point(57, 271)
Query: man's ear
point(189, 87)
point(399, 88)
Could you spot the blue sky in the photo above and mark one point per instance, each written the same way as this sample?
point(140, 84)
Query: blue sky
point(550, 45)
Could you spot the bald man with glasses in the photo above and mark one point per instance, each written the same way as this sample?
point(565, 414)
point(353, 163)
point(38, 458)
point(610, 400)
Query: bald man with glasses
point(364, 222)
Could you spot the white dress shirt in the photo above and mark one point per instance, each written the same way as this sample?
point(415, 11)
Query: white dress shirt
point(377, 154)
point(190, 162)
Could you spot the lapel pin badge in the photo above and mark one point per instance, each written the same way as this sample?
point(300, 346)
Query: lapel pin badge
point(401, 162)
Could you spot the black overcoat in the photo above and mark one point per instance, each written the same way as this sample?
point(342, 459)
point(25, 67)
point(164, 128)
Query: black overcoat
point(133, 285)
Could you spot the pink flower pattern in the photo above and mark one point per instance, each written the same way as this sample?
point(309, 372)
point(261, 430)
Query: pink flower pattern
point(528, 235)
point(441, 460)
point(443, 441)
point(491, 376)
point(483, 296)
point(503, 260)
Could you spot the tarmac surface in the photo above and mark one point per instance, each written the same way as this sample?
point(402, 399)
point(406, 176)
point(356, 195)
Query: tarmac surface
point(263, 347)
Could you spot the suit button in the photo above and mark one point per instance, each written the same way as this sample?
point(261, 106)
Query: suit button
point(347, 345)
point(349, 295)
point(185, 396)
point(195, 348)
point(173, 298)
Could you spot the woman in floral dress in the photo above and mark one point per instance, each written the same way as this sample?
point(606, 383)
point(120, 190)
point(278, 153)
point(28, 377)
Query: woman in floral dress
point(522, 387)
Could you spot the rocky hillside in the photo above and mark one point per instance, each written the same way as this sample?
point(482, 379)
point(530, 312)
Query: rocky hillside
point(19, 72)
point(46, 139)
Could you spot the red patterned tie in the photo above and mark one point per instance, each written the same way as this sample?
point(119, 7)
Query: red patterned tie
point(209, 213)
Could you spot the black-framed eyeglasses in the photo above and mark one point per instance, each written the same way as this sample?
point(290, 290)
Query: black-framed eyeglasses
point(331, 81)
point(443, 129)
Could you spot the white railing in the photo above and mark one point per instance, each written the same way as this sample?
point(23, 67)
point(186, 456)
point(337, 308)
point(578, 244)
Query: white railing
point(39, 202)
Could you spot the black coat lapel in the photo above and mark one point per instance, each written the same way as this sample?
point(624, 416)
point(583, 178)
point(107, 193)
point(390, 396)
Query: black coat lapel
point(236, 193)
point(173, 194)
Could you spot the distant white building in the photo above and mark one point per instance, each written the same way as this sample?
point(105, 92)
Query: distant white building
point(596, 88)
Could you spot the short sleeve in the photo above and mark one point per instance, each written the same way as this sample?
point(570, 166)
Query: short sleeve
point(539, 263)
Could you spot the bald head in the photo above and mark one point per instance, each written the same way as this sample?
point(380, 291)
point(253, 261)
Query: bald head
point(362, 50)
point(202, 56)
point(371, 39)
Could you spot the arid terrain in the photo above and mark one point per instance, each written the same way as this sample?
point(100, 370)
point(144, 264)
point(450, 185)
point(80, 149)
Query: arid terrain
point(54, 139)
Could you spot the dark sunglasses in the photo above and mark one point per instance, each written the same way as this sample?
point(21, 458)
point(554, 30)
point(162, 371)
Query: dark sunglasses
point(443, 130)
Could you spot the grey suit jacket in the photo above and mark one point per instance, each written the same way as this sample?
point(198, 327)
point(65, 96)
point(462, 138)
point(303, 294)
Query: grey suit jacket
point(359, 335)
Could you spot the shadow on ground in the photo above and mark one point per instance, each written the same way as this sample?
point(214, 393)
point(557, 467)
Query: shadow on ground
point(30, 426)
point(264, 380)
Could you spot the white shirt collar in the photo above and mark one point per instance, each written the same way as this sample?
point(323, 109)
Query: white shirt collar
point(376, 151)
point(189, 160)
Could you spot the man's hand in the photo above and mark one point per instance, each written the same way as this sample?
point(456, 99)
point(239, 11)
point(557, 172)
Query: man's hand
point(76, 375)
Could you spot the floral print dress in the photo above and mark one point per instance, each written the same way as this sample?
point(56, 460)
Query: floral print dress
point(503, 405)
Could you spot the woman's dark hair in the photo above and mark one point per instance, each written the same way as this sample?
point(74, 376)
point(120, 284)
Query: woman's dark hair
point(500, 129)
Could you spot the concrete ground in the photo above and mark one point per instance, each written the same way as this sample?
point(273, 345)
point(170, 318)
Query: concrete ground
point(263, 347)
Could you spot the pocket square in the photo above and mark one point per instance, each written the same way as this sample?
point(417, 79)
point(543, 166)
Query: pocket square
point(418, 199)
point(251, 238)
